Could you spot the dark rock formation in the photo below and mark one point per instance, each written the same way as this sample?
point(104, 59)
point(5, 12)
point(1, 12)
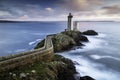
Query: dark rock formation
point(41, 44)
point(73, 34)
point(68, 72)
point(76, 35)
point(86, 78)
point(90, 32)
point(62, 42)
point(83, 38)
point(62, 68)
point(59, 68)
point(65, 40)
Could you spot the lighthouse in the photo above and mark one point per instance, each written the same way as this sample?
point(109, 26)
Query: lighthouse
point(75, 26)
point(69, 25)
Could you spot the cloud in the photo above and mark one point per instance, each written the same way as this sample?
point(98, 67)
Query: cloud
point(49, 9)
point(80, 5)
point(24, 17)
point(58, 9)
point(112, 10)
point(4, 13)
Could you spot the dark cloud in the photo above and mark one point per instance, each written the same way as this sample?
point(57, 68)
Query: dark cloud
point(15, 9)
point(112, 9)
point(80, 5)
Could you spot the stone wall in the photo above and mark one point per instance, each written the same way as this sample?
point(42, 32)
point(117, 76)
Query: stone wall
point(43, 54)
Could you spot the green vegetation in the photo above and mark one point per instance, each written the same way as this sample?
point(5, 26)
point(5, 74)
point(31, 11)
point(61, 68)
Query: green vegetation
point(59, 68)
point(41, 44)
point(47, 66)
point(66, 40)
point(76, 35)
point(62, 42)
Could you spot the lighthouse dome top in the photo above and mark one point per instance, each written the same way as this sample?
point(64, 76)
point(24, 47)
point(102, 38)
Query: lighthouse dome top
point(70, 15)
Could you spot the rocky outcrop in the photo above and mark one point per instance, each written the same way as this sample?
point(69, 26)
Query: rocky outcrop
point(90, 32)
point(62, 68)
point(86, 78)
point(62, 42)
point(66, 40)
point(67, 73)
point(59, 68)
point(76, 35)
point(41, 44)
point(83, 38)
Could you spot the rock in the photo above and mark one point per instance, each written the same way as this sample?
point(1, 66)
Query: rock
point(76, 63)
point(90, 32)
point(66, 73)
point(86, 78)
point(77, 36)
point(62, 42)
point(40, 44)
point(65, 40)
point(22, 75)
point(83, 38)
point(73, 34)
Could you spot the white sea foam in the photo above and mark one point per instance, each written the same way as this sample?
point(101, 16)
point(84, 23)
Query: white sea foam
point(90, 68)
point(93, 43)
point(100, 57)
point(101, 35)
point(87, 67)
point(20, 50)
point(33, 42)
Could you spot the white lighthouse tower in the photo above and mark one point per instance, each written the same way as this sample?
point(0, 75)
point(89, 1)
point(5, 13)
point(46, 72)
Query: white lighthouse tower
point(69, 25)
point(75, 26)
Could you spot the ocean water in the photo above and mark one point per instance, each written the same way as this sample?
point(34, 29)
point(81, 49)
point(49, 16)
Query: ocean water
point(99, 58)
point(19, 37)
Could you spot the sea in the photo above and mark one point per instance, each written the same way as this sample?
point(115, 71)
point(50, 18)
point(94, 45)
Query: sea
point(99, 58)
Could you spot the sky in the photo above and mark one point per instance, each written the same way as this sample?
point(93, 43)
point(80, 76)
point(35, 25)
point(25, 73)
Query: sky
point(57, 10)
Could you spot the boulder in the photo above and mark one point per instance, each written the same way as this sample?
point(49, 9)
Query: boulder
point(83, 38)
point(86, 78)
point(90, 32)
point(66, 73)
point(73, 34)
point(62, 42)
point(77, 36)
point(40, 44)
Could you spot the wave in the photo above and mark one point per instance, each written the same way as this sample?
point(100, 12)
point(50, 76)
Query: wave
point(94, 43)
point(101, 35)
point(85, 67)
point(20, 50)
point(100, 57)
point(34, 42)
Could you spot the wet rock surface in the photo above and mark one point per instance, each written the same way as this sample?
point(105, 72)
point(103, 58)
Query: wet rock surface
point(90, 32)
